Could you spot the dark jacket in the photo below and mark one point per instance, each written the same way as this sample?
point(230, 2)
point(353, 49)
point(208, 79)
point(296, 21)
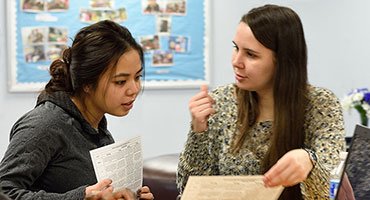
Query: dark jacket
point(3, 196)
point(48, 155)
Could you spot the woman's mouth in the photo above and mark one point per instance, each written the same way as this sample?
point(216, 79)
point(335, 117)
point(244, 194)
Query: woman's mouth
point(128, 105)
point(239, 77)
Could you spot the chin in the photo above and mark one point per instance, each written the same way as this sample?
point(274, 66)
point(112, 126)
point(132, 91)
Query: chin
point(120, 114)
point(242, 86)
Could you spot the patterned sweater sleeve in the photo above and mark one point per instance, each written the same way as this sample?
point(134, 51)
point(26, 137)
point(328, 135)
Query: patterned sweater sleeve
point(200, 154)
point(325, 137)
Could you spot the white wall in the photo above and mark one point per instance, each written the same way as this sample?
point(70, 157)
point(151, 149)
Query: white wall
point(337, 33)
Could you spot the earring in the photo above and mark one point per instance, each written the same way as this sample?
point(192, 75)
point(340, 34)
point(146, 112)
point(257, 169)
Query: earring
point(87, 89)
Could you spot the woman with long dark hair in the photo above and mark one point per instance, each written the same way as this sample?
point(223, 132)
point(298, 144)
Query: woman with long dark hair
point(271, 121)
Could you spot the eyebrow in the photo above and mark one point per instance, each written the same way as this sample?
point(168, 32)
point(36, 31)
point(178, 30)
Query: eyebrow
point(126, 74)
point(247, 49)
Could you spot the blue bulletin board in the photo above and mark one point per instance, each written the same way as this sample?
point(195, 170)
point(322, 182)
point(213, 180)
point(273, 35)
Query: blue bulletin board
point(173, 33)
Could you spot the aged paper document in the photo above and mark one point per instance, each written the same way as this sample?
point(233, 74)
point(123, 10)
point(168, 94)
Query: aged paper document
point(122, 162)
point(229, 188)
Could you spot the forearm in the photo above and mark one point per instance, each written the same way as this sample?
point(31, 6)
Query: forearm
point(18, 193)
point(327, 154)
point(195, 158)
point(316, 186)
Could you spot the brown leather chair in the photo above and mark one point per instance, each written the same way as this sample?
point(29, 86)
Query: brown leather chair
point(159, 173)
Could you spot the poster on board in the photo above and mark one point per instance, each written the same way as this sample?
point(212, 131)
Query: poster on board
point(173, 34)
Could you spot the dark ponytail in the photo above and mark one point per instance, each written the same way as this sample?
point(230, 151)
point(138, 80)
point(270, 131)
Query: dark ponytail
point(60, 77)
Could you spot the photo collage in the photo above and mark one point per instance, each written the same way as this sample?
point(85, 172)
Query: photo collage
point(43, 43)
point(46, 43)
point(102, 10)
point(162, 46)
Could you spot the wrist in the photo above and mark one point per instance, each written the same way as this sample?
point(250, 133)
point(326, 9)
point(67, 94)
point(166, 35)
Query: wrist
point(312, 156)
point(197, 128)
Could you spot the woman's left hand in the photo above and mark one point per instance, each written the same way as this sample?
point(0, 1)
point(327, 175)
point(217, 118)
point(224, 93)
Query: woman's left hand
point(144, 193)
point(289, 170)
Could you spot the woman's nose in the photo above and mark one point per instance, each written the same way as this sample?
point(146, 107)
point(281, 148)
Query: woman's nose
point(134, 88)
point(236, 60)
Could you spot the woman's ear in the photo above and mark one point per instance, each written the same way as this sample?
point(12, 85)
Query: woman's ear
point(87, 89)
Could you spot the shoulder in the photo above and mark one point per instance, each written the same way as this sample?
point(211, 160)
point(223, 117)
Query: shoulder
point(323, 104)
point(320, 95)
point(40, 121)
point(46, 112)
point(38, 131)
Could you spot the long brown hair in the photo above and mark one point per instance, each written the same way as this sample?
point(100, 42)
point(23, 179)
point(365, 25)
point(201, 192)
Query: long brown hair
point(280, 30)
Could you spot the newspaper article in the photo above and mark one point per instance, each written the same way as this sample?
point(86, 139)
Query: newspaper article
point(122, 162)
point(229, 188)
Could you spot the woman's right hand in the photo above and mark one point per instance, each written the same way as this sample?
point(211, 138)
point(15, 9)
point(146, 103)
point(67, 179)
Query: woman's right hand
point(97, 192)
point(201, 107)
point(100, 189)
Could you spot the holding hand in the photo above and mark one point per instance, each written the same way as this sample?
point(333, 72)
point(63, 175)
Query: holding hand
point(101, 188)
point(200, 107)
point(144, 193)
point(289, 170)
point(123, 194)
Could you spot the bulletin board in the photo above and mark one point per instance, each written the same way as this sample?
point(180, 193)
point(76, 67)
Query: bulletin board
point(173, 34)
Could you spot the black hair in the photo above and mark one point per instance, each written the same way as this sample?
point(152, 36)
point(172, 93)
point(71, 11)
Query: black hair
point(94, 50)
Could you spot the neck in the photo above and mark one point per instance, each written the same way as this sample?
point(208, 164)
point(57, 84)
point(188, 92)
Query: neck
point(266, 107)
point(93, 118)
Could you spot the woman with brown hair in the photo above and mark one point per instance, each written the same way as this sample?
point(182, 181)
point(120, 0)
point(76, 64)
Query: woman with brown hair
point(270, 122)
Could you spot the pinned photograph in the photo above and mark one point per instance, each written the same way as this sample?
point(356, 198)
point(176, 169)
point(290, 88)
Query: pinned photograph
point(33, 5)
point(57, 5)
point(121, 14)
point(33, 35)
point(58, 34)
point(178, 44)
point(162, 58)
point(54, 51)
point(92, 16)
point(152, 6)
point(150, 42)
point(176, 7)
point(86, 15)
point(105, 14)
point(34, 53)
point(163, 24)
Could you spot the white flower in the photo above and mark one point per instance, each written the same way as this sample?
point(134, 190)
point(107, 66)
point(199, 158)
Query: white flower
point(358, 99)
point(357, 96)
point(347, 102)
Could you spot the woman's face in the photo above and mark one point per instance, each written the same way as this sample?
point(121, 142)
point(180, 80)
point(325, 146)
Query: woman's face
point(252, 62)
point(118, 87)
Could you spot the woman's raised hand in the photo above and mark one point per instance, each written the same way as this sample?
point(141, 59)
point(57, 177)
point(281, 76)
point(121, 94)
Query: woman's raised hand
point(201, 107)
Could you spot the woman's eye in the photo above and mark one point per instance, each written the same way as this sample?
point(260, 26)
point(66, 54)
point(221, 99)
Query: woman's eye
point(251, 55)
point(120, 82)
point(138, 77)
